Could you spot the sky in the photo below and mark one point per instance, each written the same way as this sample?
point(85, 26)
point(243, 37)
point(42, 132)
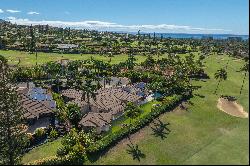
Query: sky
point(163, 16)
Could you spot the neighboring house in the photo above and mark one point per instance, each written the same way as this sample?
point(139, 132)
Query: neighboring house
point(99, 121)
point(67, 47)
point(38, 106)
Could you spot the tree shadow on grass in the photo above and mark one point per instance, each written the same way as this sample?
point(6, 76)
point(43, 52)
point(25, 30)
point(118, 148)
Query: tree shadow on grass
point(201, 96)
point(196, 87)
point(190, 102)
point(160, 129)
point(199, 79)
point(135, 152)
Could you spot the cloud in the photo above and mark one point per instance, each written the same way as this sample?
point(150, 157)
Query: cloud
point(32, 13)
point(101, 25)
point(13, 11)
point(11, 18)
point(1, 11)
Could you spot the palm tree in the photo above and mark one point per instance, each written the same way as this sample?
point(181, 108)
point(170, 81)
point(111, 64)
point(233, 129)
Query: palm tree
point(244, 69)
point(220, 75)
point(52, 69)
point(36, 56)
point(132, 111)
point(131, 62)
point(106, 78)
point(74, 114)
point(57, 83)
point(149, 62)
point(115, 69)
point(88, 90)
point(82, 49)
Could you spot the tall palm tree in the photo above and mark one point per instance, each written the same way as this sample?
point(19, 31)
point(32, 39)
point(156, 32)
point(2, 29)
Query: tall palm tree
point(57, 82)
point(131, 62)
point(115, 69)
point(132, 112)
point(88, 90)
point(244, 69)
point(106, 78)
point(220, 75)
point(36, 56)
point(82, 49)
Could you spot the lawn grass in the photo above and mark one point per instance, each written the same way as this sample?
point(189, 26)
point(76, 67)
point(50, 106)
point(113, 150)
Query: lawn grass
point(27, 59)
point(45, 150)
point(201, 135)
point(146, 108)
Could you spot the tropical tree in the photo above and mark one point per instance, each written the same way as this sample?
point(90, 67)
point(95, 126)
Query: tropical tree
point(157, 86)
point(149, 62)
point(56, 82)
point(115, 69)
point(74, 114)
point(61, 108)
point(52, 69)
point(130, 63)
point(88, 90)
point(132, 111)
point(220, 75)
point(106, 78)
point(83, 49)
point(244, 69)
point(3, 66)
point(12, 137)
point(72, 147)
point(32, 43)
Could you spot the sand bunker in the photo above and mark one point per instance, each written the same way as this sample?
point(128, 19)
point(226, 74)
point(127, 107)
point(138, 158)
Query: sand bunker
point(231, 108)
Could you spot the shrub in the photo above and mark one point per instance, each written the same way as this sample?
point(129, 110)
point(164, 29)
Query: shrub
point(30, 137)
point(53, 134)
point(74, 114)
point(40, 132)
point(61, 152)
point(53, 160)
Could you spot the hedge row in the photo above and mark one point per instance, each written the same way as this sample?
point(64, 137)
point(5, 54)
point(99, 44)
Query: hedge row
point(54, 160)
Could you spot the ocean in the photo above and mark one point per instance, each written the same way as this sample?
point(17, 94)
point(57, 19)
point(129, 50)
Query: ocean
point(199, 36)
point(195, 36)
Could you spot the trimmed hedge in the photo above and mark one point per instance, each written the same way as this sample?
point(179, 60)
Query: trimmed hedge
point(54, 160)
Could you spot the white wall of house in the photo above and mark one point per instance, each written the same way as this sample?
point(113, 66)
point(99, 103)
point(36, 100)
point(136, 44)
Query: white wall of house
point(103, 128)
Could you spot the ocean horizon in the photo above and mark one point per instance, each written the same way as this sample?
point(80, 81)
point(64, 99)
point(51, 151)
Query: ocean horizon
point(195, 36)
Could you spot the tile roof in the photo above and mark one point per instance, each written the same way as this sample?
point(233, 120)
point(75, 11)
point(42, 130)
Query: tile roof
point(96, 119)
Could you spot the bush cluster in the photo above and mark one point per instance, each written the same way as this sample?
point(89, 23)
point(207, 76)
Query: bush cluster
point(54, 160)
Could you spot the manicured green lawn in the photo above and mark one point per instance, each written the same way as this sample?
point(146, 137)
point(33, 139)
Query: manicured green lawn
point(28, 59)
point(201, 135)
point(146, 108)
point(46, 150)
